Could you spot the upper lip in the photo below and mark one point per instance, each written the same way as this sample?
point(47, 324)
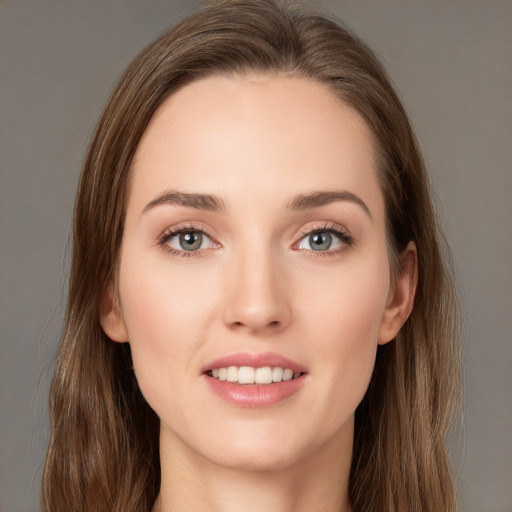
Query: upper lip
point(255, 361)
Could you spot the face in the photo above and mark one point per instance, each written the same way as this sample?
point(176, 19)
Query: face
point(255, 239)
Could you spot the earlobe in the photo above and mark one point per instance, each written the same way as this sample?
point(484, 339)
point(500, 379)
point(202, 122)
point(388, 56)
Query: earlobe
point(401, 299)
point(111, 319)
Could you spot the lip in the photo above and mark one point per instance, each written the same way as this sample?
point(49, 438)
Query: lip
point(254, 360)
point(254, 395)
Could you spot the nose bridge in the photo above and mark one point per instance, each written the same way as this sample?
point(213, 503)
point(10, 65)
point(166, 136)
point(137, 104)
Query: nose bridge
point(257, 297)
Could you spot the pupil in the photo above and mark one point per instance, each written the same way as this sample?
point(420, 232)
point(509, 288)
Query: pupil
point(320, 241)
point(191, 241)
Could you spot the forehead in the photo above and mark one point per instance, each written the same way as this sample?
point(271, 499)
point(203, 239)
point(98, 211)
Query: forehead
point(263, 134)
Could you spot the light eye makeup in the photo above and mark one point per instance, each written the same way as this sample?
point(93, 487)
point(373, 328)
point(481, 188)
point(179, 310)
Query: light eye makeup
point(325, 239)
point(186, 241)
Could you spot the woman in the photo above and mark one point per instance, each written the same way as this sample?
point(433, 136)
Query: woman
point(260, 315)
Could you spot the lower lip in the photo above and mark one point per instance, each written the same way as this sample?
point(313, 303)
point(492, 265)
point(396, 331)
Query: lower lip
point(255, 396)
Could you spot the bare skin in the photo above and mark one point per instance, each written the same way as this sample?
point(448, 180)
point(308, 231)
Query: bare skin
point(275, 180)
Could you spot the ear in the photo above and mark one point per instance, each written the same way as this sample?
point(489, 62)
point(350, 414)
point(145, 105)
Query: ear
point(111, 319)
point(401, 296)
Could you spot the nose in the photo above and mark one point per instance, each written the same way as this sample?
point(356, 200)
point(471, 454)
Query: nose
point(257, 298)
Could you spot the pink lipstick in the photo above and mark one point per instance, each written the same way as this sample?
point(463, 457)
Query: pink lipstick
point(254, 380)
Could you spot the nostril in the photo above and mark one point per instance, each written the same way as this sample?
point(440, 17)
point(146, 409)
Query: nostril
point(275, 324)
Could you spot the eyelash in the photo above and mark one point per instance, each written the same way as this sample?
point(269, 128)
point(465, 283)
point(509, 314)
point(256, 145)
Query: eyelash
point(171, 232)
point(346, 239)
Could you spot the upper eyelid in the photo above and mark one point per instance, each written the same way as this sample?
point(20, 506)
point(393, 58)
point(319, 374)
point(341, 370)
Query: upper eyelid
point(327, 226)
point(169, 232)
point(322, 225)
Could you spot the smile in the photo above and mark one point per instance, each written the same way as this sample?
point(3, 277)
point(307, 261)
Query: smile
point(251, 380)
point(248, 375)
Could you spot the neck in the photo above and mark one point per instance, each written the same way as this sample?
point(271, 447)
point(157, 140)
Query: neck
point(192, 483)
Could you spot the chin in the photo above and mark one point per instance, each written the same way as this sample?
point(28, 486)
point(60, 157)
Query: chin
point(263, 448)
point(255, 458)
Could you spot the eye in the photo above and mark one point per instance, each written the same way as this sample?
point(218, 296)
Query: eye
point(324, 240)
point(186, 240)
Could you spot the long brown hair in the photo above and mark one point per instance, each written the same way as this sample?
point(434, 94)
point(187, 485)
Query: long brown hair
point(103, 453)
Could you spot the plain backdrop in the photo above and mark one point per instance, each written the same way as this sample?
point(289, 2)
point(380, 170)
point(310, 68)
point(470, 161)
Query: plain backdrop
point(451, 61)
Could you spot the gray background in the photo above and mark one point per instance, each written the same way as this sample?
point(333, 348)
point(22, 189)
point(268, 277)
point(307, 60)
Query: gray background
point(452, 63)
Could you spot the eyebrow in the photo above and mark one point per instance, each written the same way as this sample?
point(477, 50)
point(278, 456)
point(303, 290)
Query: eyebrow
point(189, 200)
point(317, 199)
point(213, 203)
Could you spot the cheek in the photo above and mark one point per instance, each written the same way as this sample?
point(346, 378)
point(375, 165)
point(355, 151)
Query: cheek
point(344, 321)
point(161, 301)
point(346, 302)
point(167, 314)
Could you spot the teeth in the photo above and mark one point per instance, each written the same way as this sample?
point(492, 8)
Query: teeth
point(249, 375)
point(263, 375)
point(277, 374)
point(288, 374)
point(232, 374)
point(246, 375)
